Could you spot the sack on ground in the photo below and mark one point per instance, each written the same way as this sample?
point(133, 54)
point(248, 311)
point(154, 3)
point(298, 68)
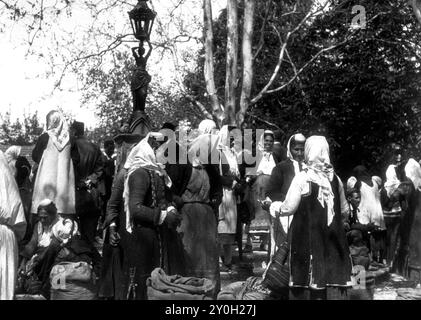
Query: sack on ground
point(163, 287)
point(72, 281)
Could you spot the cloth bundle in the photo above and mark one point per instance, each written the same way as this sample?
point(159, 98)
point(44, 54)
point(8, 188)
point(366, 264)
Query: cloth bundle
point(251, 289)
point(161, 286)
point(72, 281)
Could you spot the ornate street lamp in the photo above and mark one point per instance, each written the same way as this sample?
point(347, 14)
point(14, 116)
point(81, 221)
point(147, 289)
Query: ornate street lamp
point(141, 19)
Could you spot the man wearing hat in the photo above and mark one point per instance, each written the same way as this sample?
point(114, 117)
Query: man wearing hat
point(88, 173)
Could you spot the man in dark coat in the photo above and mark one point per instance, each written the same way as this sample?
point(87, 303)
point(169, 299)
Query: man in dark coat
point(88, 174)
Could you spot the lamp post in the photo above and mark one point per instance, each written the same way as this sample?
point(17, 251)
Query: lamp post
point(141, 19)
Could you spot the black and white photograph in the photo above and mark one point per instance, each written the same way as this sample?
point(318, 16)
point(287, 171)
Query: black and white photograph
point(223, 151)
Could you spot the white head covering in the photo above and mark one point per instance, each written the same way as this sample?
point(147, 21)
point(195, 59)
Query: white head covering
point(298, 137)
point(261, 144)
point(58, 129)
point(320, 171)
point(11, 154)
point(206, 126)
point(350, 184)
point(11, 208)
point(142, 156)
point(413, 172)
point(265, 162)
point(205, 144)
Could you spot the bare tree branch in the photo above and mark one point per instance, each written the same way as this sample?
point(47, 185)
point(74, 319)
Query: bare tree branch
point(200, 106)
point(294, 68)
point(307, 17)
point(262, 30)
point(275, 72)
point(306, 65)
point(416, 7)
point(265, 121)
point(112, 46)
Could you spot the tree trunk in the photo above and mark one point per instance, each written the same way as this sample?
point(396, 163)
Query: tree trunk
point(232, 61)
point(249, 6)
point(209, 68)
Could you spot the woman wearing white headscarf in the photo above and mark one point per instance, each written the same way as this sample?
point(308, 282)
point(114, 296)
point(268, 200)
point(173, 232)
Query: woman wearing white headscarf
point(227, 219)
point(280, 181)
point(202, 198)
point(12, 154)
point(320, 261)
point(55, 178)
point(12, 229)
point(146, 210)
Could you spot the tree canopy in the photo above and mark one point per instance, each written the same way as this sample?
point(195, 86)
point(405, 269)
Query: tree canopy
point(362, 91)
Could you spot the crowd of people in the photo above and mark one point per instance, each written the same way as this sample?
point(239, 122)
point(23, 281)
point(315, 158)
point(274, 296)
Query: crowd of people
point(169, 207)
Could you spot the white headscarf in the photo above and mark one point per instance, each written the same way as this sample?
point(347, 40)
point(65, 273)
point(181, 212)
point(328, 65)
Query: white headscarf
point(296, 137)
point(266, 162)
point(206, 126)
point(350, 184)
point(320, 171)
point(11, 208)
point(142, 156)
point(57, 129)
point(413, 172)
point(204, 145)
point(11, 154)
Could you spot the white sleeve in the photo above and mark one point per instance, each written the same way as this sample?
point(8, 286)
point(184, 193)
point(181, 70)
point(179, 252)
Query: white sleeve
point(299, 186)
point(274, 208)
point(343, 201)
point(392, 181)
point(391, 173)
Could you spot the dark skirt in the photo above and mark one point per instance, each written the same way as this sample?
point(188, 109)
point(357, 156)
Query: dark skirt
point(198, 234)
point(319, 255)
point(111, 280)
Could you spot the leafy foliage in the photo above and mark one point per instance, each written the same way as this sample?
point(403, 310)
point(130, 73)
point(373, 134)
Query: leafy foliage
point(363, 95)
point(19, 132)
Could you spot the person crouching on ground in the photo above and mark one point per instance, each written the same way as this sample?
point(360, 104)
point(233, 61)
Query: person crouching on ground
point(40, 252)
